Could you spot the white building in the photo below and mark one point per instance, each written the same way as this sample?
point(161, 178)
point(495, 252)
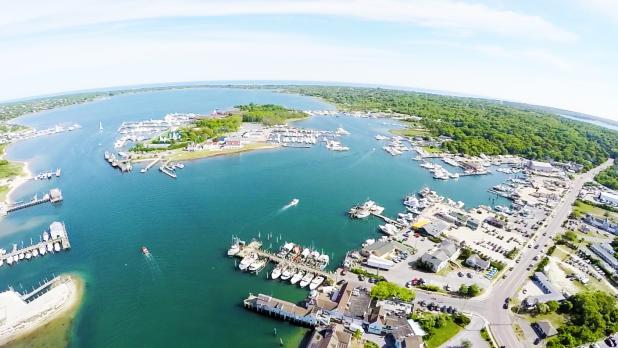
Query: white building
point(56, 230)
point(608, 197)
point(438, 258)
point(540, 166)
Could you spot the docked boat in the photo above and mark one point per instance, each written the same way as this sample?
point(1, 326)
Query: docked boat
point(145, 251)
point(45, 236)
point(257, 265)
point(389, 229)
point(21, 256)
point(316, 282)
point(57, 247)
point(294, 202)
point(236, 247)
point(247, 261)
point(35, 253)
point(306, 279)
point(50, 248)
point(381, 137)
point(42, 250)
point(276, 272)
point(297, 277)
point(323, 261)
point(287, 273)
point(9, 260)
point(28, 255)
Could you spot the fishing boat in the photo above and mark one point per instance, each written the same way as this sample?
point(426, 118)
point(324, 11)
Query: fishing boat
point(297, 277)
point(276, 272)
point(306, 279)
point(145, 251)
point(316, 282)
point(287, 273)
point(294, 202)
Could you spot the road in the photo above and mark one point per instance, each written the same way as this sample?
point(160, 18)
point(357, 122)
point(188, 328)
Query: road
point(489, 306)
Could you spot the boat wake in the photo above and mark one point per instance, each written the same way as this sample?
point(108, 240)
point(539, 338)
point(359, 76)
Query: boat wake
point(362, 159)
point(153, 266)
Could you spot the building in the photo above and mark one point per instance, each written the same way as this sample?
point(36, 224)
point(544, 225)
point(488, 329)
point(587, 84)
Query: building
point(56, 230)
point(55, 195)
point(545, 329)
point(379, 262)
point(434, 228)
point(494, 222)
point(603, 224)
point(606, 253)
point(232, 144)
point(608, 198)
point(380, 249)
point(473, 224)
point(550, 292)
point(283, 310)
point(332, 336)
point(438, 258)
point(543, 167)
point(476, 262)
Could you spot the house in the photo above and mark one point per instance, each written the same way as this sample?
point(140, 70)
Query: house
point(380, 248)
point(550, 292)
point(232, 144)
point(283, 309)
point(438, 258)
point(606, 253)
point(376, 320)
point(545, 329)
point(494, 222)
point(404, 333)
point(332, 336)
point(434, 228)
point(476, 262)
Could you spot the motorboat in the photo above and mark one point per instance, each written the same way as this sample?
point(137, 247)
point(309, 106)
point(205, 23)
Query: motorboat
point(247, 261)
point(35, 252)
point(28, 255)
point(257, 265)
point(145, 251)
point(297, 277)
point(276, 272)
point(57, 247)
point(293, 202)
point(236, 247)
point(389, 229)
point(287, 274)
point(316, 282)
point(50, 248)
point(306, 279)
point(42, 250)
point(45, 236)
point(21, 256)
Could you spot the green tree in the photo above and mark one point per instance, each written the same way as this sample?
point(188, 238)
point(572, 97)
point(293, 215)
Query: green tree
point(357, 335)
point(553, 305)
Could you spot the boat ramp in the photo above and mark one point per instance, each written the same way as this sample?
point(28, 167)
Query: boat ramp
point(53, 240)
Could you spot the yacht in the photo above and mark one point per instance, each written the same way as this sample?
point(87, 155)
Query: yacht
point(42, 250)
point(341, 131)
point(293, 202)
point(9, 260)
point(235, 248)
point(323, 260)
point(35, 253)
point(368, 242)
point(57, 247)
point(276, 272)
point(50, 248)
point(297, 277)
point(454, 175)
point(389, 229)
point(1, 262)
point(21, 256)
point(257, 265)
point(306, 279)
point(381, 137)
point(180, 165)
point(287, 273)
point(246, 262)
point(28, 255)
point(317, 281)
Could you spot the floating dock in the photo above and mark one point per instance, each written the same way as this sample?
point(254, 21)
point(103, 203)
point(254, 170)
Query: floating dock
point(58, 240)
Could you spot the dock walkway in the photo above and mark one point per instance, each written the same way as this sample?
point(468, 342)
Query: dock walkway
point(62, 238)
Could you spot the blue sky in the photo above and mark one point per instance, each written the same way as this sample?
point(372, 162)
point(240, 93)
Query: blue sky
point(556, 53)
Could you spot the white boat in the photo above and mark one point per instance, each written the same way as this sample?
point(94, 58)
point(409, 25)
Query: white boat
point(180, 165)
point(294, 202)
point(389, 229)
point(323, 260)
point(287, 274)
point(56, 246)
point(361, 214)
point(341, 131)
point(143, 170)
point(50, 248)
point(1, 262)
point(368, 242)
point(28, 255)
point(276, 272)
point(45, 236)
point(316, 282)
point(235, 248)
point(297, 277)
point(21, 256)
point(35, 253)
point(306, 279)
point(9, 261)
point(381, 137)
point(42, 250)
point(257, 265)
point(100, 127)
point(246, 262)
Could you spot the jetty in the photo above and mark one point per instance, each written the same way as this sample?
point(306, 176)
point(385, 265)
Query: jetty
point(57, 240)
point(150, 165)
point(54, 196)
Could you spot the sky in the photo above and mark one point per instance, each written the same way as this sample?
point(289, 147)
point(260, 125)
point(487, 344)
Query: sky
point(556, 53)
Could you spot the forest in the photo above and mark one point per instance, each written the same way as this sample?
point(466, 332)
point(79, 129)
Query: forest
point(608, 177)
point(268, 114)
point(482, 126)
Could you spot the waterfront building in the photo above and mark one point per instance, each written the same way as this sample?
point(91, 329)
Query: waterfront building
point(438, 258)
point(434, 228)
point(543, 167)
point(282, 309)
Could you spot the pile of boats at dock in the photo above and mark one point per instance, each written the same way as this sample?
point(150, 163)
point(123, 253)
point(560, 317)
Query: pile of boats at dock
point(170, 169)
point(51, 241)
point(364, 210)
point(143, 130)
point(438, 171)
point(47, 175)
point(296, 267)
point(306, 138)
point(123, 163)
point(395, 147)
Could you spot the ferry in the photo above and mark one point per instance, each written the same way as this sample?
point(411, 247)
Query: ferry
point(145, 251)
point(306, 279)
point(294, 202)
point(316, 282)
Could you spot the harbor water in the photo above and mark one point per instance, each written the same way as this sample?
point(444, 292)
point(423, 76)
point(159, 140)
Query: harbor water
point(188, 292)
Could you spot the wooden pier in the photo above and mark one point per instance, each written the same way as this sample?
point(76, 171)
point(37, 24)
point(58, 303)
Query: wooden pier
point(389, 220)
point(54, 196)
point(254, 248)
point(58, 235)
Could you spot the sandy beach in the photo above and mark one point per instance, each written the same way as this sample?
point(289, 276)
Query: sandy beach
point(18, 181)
point(19, 319)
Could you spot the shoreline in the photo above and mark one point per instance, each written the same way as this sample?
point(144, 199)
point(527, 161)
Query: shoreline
point(15, 182)
point(61, 302)
point(197, 155)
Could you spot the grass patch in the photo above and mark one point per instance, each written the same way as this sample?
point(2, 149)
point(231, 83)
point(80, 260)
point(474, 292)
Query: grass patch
point(557, 320)
point(10, 169)
point(443, 334)
point(432, 149)
point(411, 132)
point(581, 208)
point(4, 189)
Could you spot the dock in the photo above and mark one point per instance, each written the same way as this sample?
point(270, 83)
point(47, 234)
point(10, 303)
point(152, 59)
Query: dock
point(54, 196)
point(124, 165)
point(57, 234)
point(389, 220)
point(150, 165)
point(254, 248)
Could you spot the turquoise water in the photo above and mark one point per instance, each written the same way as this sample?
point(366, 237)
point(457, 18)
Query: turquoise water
point(190, 294)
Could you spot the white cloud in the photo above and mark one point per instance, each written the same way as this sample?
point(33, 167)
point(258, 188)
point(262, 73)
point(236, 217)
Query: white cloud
point(460, 17)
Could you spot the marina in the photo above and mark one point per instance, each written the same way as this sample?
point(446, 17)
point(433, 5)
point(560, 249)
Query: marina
point(53, 240)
